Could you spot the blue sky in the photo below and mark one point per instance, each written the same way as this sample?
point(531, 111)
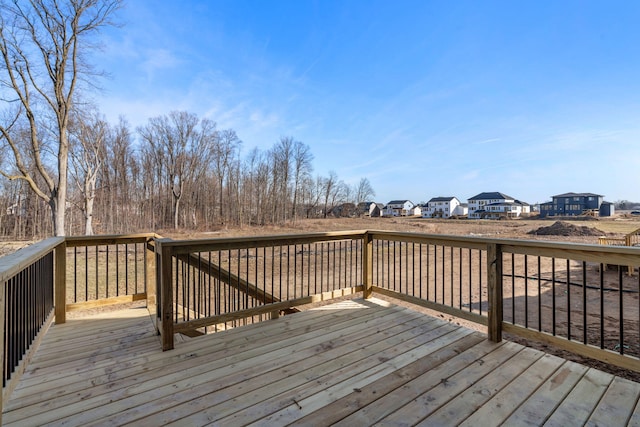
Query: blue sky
point(423, 98)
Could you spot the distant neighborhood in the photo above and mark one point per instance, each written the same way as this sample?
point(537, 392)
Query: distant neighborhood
point(491, 205)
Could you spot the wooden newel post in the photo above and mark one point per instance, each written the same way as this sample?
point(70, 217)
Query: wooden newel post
point(494, 276)
point(150, 275)
point(164, 293)
point(367, 265)
point(60, 283)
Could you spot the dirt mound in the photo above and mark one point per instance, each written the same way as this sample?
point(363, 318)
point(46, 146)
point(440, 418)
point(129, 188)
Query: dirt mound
point(561, 228)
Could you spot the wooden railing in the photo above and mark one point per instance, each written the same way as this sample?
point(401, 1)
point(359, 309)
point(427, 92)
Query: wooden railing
point(103, 270)
point(221, 283)
point(44, 281)
point(26, 305)
point(559, 293)
point(554, 292)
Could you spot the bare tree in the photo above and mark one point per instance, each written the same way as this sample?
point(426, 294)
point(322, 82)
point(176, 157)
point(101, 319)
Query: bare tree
point(364, 191)
point(42, 44)
point(329, 187)
point(183, 146)
point(87, 137)
point(302, 169)
point(226, 149)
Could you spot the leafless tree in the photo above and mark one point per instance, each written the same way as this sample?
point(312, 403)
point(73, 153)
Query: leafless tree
point(364, 191)
point(183, 147)
point(302, 168)
point(330, 189)
point(226, 149)
point(43, 44)
point(88, 138)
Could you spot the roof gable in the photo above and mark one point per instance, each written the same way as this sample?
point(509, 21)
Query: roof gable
point(577, 195)
point(491, 196)
point(442, 199)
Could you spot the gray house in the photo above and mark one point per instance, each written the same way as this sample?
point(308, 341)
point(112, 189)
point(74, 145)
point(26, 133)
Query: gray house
point(573, 204)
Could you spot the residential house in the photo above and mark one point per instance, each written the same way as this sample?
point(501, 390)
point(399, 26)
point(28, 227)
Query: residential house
point(496, 205)
point(440, 207)
point(399, 208)
point(461, 210)
point(370, 209)
point(573, 204)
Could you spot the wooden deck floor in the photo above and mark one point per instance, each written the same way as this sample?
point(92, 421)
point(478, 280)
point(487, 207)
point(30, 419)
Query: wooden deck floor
point(353, 363)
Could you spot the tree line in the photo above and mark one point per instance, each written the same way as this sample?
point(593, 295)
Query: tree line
point(67, 170)
point(177, 171)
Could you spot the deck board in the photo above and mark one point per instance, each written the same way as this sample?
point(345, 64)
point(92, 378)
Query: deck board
point(353, 363)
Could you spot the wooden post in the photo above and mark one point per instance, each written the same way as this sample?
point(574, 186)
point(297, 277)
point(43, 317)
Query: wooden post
point(165, 292)
point(60, 283)
point(367, 265)
point(150, 274)
point(494, 277)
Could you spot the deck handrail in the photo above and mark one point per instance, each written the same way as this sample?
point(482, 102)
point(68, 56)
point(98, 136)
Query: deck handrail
point(26, 306)
point(500, 269)
point(507, 285)
point(185, 255)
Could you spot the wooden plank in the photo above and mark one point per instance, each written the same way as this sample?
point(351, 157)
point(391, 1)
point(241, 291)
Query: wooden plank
point(617, 404)
point(448, 387)
point(340, 369)
point(367, 265)
point(242, 314)
point(431, 239)
point(112, 239)
point(389, 403)
point(17, 261)
point(634, 420)
point(452, 311)
point(576, 408)
point(193, 366)
point(103, 302)
point(60, 283)
point(205, 245)
point(494, 288)
point(166, 294)
point(368, 394)
point(258, 369)
point(341, 387)
point(541, 404)
point(192, 371)
point(150, 276)
point(509, 398)
point(242, 339)
point(235, 341)
point(478, 393)
point(607, 356)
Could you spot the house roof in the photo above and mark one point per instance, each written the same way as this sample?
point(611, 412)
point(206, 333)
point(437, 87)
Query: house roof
point(502, 204)
point(578, 195)
point(491, 196)
point(398, 202)
point(442, 199)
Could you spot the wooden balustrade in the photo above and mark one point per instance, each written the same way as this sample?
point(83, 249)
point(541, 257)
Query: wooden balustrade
point(555, 292)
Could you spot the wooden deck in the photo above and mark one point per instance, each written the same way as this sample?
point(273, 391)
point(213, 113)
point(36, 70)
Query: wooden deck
point(352, 363)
